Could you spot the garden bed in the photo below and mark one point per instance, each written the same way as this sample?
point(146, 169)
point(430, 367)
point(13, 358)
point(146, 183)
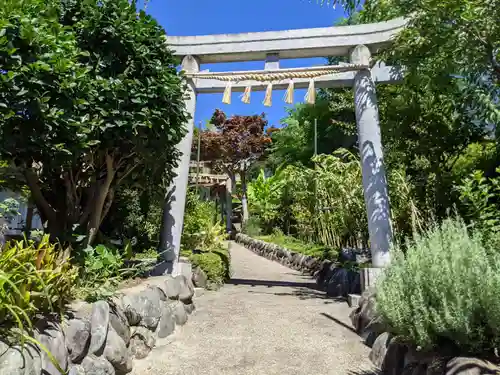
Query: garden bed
point(103, 337)
point(337, 278)
point(395, 355)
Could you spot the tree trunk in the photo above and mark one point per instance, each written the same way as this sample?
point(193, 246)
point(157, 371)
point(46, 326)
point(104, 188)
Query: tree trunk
point(97, 209)
point(244, 200)
point(29, 217)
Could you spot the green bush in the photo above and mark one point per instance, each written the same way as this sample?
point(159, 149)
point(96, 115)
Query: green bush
point(201, 230)
point(293, 244)
point(444, 291)
point(101, 272)
point(215, 264)
point(34, 279)
point(252, 227)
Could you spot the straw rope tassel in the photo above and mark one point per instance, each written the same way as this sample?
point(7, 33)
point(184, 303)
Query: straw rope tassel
point(226, 99)
point(289, 93)
point(269, 94)
point(311, 93)
point(246, 95)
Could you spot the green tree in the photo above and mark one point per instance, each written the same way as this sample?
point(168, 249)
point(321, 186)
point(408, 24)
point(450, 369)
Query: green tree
point(235, 145)
point(90, 101)
point(294, 143)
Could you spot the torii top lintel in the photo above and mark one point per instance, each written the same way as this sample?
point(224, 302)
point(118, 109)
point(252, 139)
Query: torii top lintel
point(289, 44)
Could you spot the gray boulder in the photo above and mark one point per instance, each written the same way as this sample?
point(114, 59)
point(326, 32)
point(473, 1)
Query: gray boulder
point(394, 359)
point(141, 342)
point(189, 308)
point(50, 335)
point(180, 313)
point(364, 318)
point(82, 311)
point(94, 365)
point(167, 321)
point(146, 305)
point(172, 288)
point(379, 349)
point(186, 291)
point(16, 360)
point(116, 352)
point(471, 366)
point(342, 282)
point(77, 335)
point(118, 320)
point(99, 322)
point(76, 370)
point(200, 278)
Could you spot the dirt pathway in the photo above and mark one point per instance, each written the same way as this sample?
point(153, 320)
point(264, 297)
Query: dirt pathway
point(269, 320)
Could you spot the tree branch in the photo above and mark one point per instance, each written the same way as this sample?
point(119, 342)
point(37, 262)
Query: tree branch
point(126, 173)
point(36, 193)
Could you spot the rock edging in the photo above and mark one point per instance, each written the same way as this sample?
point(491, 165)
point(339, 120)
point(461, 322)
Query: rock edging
point(104, 337)
point(336, 280)
point(394, 356)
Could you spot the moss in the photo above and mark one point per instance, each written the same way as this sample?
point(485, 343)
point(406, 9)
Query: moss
point(215, 264)
point(298, 246)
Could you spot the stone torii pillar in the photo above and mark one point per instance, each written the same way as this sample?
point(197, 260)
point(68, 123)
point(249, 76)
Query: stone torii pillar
point(175, 197)
point(372, 166)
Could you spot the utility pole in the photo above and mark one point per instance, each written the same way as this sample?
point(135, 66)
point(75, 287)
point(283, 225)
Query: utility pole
point(198, 157)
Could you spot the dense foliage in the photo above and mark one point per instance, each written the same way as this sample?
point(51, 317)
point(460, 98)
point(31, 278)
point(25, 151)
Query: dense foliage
point(443, 291)
point(324, 204)
point(35, 278)
point(90, 101)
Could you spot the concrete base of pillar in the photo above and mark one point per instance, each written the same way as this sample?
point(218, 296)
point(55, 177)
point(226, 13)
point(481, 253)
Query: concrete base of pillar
point(353, 300)
point(182, 267)
point(369, 277)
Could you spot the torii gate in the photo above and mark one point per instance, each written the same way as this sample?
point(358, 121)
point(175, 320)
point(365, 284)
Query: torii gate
point(358, 42)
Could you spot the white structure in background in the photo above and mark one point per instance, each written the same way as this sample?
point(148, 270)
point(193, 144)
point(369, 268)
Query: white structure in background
point(16, 223)
point(359, 42)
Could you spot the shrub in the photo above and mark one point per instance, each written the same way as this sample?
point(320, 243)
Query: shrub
point(101, 272)
point(252, 227)
point(479, 198)
point(34, 279)
point(444, 291)
point(215, 264)
point(201, 230)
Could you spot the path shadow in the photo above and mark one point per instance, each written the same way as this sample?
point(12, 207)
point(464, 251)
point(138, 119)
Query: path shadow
point(272, 283)
point(364, 372)
point(339, 322)
point(301, 290)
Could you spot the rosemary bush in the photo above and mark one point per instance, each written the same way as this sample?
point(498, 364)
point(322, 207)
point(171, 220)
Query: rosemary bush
point(445, 291)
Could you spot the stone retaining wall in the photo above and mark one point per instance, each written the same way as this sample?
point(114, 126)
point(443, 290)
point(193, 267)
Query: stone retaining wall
point(104, 337)
point(395, 356)
point(336, 280)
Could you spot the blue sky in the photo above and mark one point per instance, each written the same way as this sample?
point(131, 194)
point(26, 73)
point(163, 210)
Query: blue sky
point(197, 17)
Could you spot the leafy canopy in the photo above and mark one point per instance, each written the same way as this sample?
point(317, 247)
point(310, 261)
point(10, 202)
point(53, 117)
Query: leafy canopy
point(90, 100)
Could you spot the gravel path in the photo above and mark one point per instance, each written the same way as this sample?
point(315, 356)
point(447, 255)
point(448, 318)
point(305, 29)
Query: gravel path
point(269, 320)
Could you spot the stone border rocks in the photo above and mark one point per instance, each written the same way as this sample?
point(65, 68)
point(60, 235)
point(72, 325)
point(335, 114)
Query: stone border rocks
point(336, 280)
point(104, 337)
point(395, 356)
